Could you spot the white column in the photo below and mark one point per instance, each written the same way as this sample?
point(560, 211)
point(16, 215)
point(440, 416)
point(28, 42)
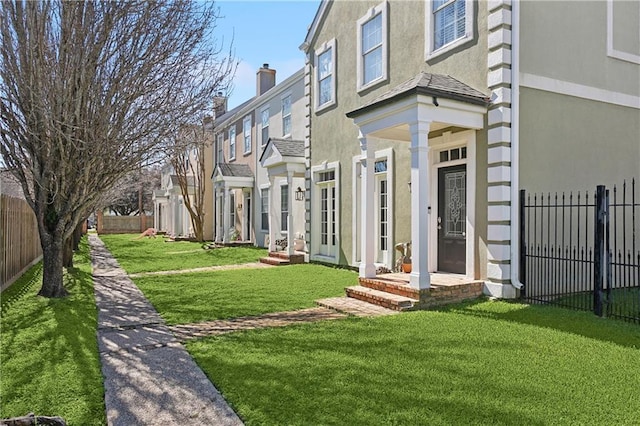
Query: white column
point(217, 202)
point(225, 215)
point(419, 277)
point(272, 219)
point(290, 213)
point(367, 266)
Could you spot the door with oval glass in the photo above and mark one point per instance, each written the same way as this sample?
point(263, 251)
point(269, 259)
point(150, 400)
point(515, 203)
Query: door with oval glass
point(452, 219)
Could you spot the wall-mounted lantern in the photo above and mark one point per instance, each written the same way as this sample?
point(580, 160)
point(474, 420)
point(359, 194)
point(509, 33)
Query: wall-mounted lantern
point(299, 194)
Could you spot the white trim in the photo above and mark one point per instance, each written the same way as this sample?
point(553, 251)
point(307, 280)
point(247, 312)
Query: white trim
point(429, 39)
point(315, 222)
point(268, 126)
point(466, 139)
point(578, 90)
point(329, 45)
point(380, 9)
point(611, 51)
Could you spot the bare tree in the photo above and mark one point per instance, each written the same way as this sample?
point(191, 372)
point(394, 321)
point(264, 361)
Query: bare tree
point(90, 91)
point(190, 144)
point(124, 198)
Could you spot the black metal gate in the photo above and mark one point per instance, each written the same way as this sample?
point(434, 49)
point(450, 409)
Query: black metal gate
point(582, 251)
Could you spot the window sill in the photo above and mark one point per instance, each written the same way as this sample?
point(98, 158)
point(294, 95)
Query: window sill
point(325, 106)
point(448, 47)
point(372, 84)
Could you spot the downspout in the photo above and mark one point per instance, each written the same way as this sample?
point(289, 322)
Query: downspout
point(515, 144)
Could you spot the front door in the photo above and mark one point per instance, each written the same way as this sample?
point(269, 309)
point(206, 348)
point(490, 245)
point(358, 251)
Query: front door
point(247, 228)
point(452, 219)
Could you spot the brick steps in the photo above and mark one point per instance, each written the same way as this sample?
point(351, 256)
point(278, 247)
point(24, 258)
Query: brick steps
point(381, 298)
point(280, 258)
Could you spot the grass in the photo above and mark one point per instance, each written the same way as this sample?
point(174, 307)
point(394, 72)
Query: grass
point(49, 362)
point(480, 363)
point(148, 255)
point(625, 302)
point(202, 296)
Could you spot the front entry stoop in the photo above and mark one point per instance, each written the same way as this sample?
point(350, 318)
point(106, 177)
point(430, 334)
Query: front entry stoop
point(282, 258)
point(392, 291)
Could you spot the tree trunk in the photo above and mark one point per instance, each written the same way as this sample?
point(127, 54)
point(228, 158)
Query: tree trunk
point(77, 236)
point(30, 419)
point(52, 267)
point(67, 256)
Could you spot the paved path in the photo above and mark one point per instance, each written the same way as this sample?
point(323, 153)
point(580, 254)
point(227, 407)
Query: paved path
point(149, 377)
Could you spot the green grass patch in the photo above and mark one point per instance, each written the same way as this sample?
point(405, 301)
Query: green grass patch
point(624, 302)
point(204, 296)
point(49, 360)
point(480, 363)
point(154, 254)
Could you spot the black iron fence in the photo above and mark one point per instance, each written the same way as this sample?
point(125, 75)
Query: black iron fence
point(582, 251)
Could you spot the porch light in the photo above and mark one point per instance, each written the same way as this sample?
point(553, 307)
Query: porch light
point(299, 194)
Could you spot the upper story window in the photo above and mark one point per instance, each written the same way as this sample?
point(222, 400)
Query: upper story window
point(372, 47)
point(286, 115)
point(264, 118)
point(219, 154)
point(232, 143)
point(246, 130)
point(325, 75)
point(449, 24)
point(284, 207)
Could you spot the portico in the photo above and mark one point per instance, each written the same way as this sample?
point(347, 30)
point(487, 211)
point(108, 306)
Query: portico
point(227, 180)
point(410, 112)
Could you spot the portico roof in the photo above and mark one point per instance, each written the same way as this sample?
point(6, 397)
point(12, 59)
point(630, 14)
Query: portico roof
point(234, 175)
point(281, 156)
point(435, 85)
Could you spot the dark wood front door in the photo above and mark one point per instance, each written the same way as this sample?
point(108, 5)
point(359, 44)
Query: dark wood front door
point(452, 219)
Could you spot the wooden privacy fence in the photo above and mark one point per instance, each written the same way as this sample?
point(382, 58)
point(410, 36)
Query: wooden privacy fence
point(123, 224)
point(19, 240)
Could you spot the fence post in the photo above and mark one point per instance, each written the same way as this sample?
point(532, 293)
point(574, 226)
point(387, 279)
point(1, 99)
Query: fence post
point(523, 244)
point(599, 252)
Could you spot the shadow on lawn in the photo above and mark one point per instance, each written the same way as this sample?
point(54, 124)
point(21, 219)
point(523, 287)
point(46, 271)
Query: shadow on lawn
point(575, 322)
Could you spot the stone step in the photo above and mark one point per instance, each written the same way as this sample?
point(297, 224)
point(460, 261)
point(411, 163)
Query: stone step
point(356, 307)
point(294, 258)
point(390, 287)
point(381, 298)
point(275, 261)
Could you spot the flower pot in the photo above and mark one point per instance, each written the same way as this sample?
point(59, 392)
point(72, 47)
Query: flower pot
point(406, 268)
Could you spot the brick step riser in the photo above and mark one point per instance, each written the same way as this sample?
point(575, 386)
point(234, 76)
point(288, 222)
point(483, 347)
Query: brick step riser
point(389, 288)
point(374, 300)
point(296, 258)
point(274, 261)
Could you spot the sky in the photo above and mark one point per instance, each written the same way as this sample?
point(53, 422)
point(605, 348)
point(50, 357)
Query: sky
point(264, 31)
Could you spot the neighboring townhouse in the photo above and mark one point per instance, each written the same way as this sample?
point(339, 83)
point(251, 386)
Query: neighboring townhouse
point(170, 213)
point(426, 118)
point(254, 196)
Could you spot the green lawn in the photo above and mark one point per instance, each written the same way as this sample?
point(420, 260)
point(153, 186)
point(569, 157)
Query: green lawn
point(202, 296)
point(480, 363)
point(147, 255)
point(49, 362)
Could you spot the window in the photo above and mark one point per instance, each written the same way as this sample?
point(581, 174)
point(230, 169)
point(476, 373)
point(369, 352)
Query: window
point(264, 115)
point(449, 24)
point(284, 206)
point(286, 115)
point(453, 154)
point(372, 47)
point(219, 154)
point(232, 209)
point(384, 217)
point(264, 208)
point(325, 72)
point(246, 130)
point(232, 143)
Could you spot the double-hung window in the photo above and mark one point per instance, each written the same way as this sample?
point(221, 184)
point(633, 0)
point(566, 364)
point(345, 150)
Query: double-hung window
point(232, 142)
point(264, 118)
point(372, 47)
point(325, 75)
point(264, 208)
point(284, 206)
point(286, 115)
point(219, 154)
point(449, 24)
point(246, 131)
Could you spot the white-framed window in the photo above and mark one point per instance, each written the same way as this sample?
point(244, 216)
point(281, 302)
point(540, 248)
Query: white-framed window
point(372, 47)
point(286, 115)
point(449, 23)
point(264, 209)
point(219, 151)
point(264, 121)
point(284, 207)
point(232, 143)
point(232, 209)
point(246, 132)
point(325, 87)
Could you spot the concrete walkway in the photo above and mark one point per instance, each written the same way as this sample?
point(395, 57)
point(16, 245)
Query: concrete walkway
point(149, 377)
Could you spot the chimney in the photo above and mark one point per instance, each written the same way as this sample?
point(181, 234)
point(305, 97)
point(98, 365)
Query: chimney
point(266, 79)
point(219, 105)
